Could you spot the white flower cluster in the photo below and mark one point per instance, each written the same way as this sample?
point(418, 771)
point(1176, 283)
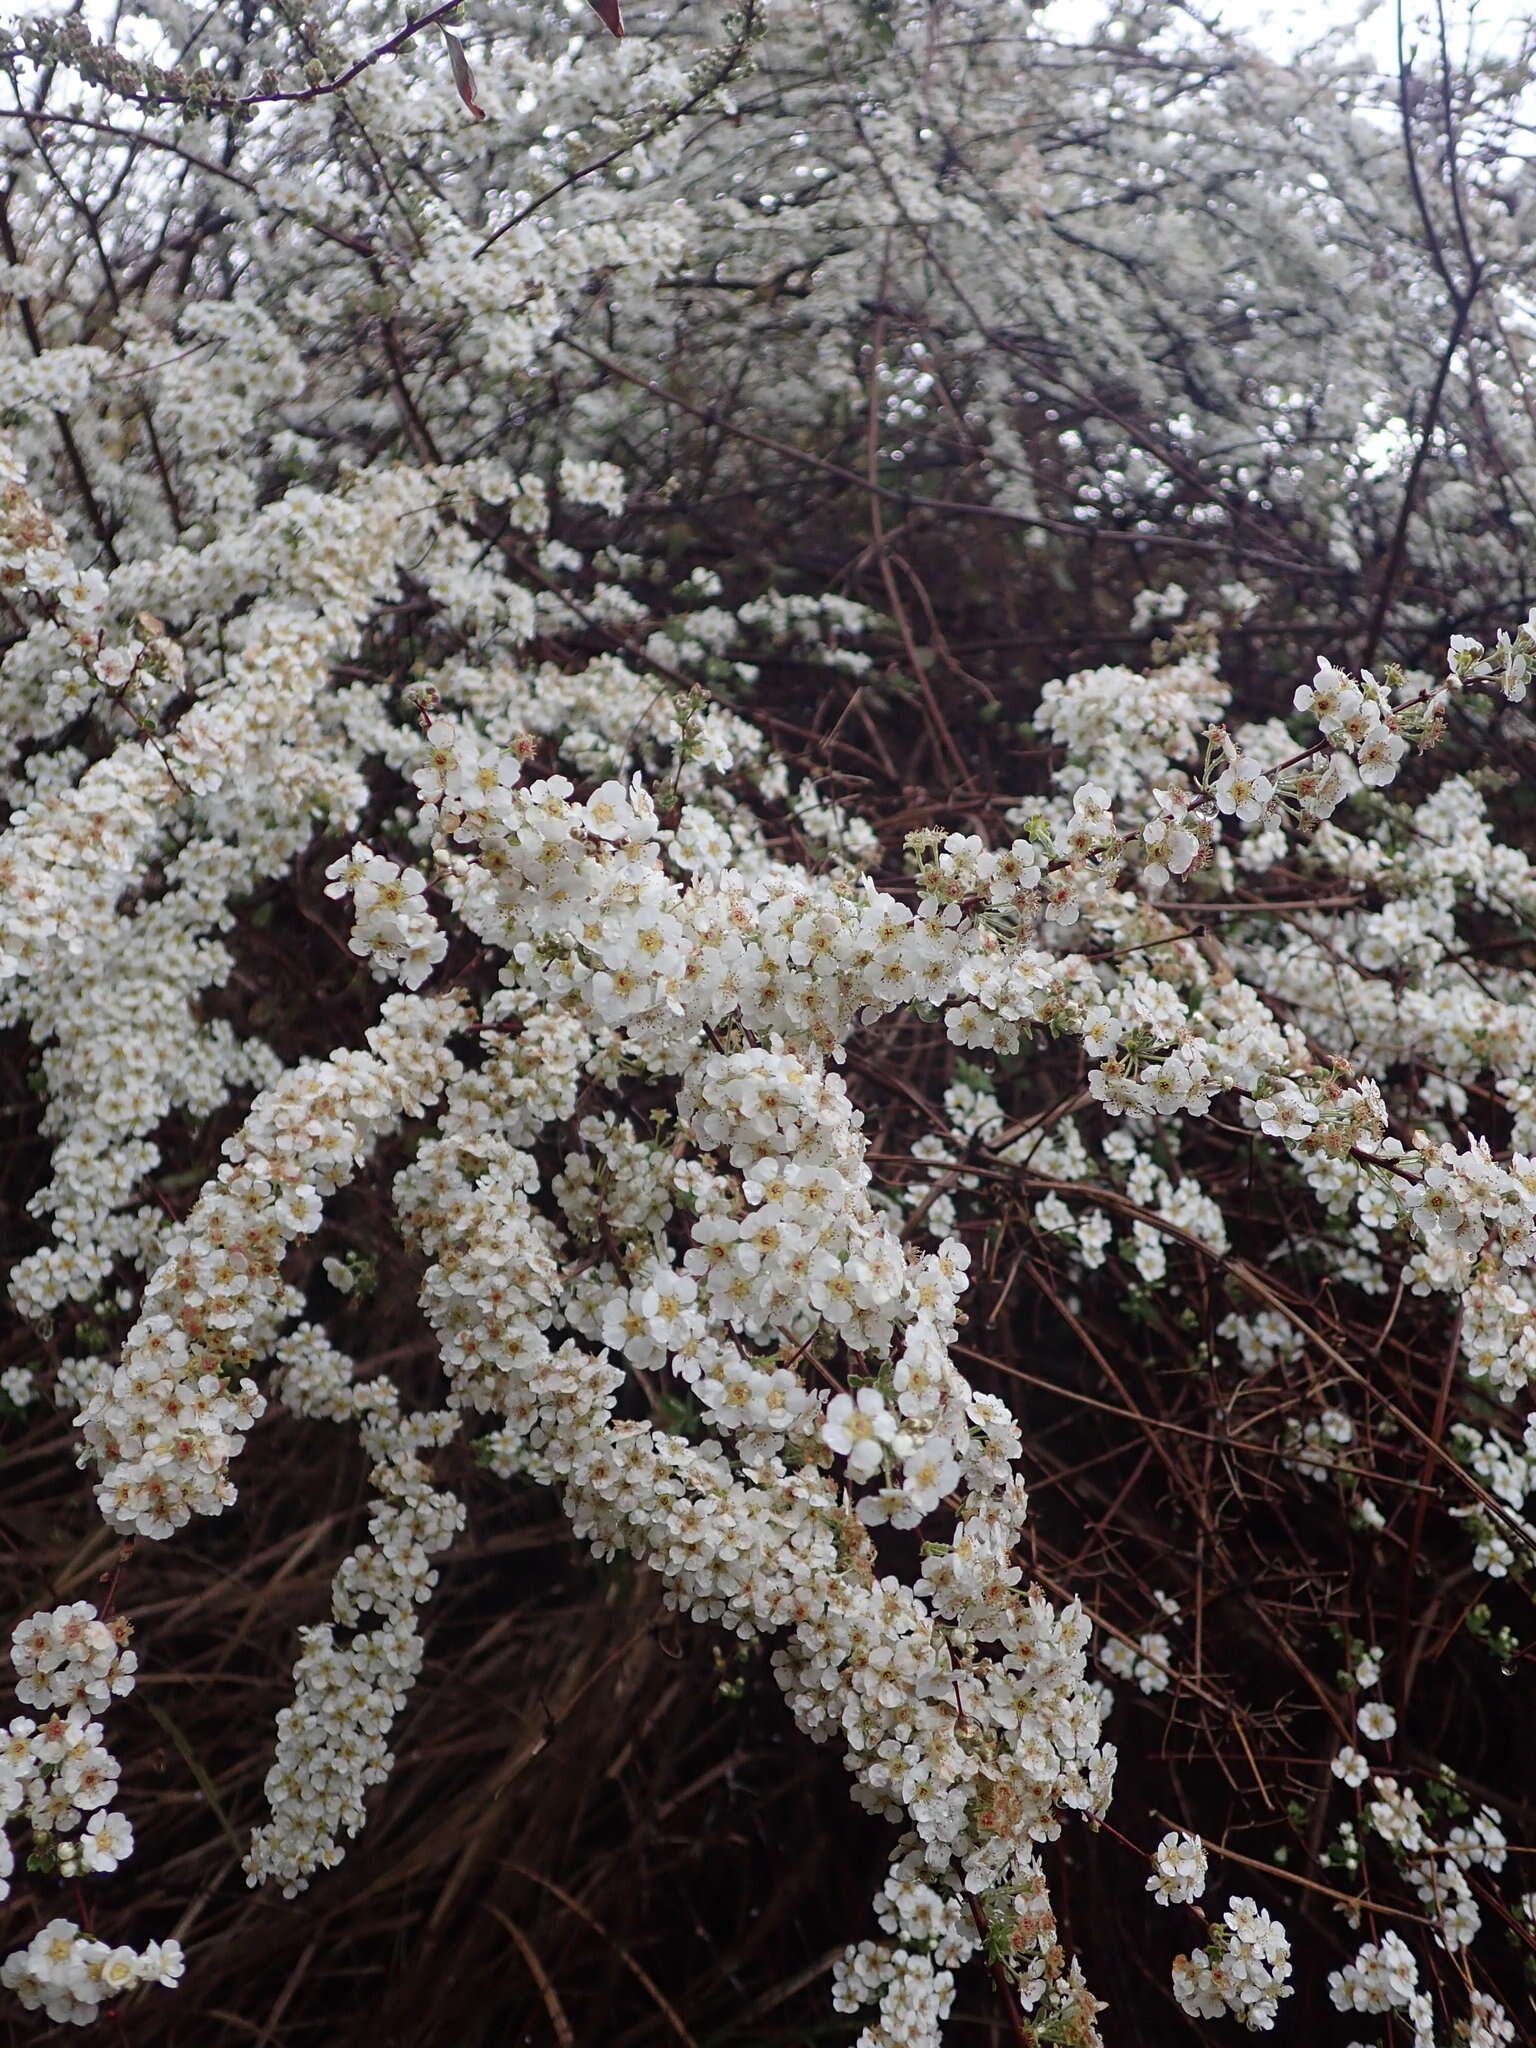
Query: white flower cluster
point(1261, 1340)
point(1437, 1870)
point(331, 1742)
point(1464, 1198)
point(69, 1976)
point(1359, 720)
point(1243, 1969)
point(1144, 1664)
point(1384, 1977)
point(1178, 1870)
point(616, 962)
point(69, 1658)
point(1155, 606)
point(164, 1424)
point(114, 884)
point(1129, 725)
point(686, 954)
point(593, 483)
point(975, 1748)
point(392, 928)
point(18, 1383)
point(1507, 665)
point(912, 1996)
point(1316, 1444)
point(1510, 1477)
point(61, 1776)
point(653, 945)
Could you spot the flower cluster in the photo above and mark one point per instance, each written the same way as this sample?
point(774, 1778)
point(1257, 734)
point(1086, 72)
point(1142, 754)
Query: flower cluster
point(739, 1532)
point(331, 1742)
point(1178, 1871)
point(1243, 1969)
point(392, 927)
point(69, 1976)
point(1384, 1976)
point(60, 1775)
point(664, 1270)
point(163, 1425)
point(69, 1658)
point(737, 994)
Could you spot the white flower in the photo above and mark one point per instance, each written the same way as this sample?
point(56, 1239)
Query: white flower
point(1379, 755)
point(929, 1472)
point(162, 1962)
point(592, 483)
point(18, 1383)
point(858, 1428)
point(339, 1273)
point(611, 813)
point(1376, 1721)
point(1350, 1766)
point(1285, 1114)
point(1459, 1923)
point(1244, 790)
point(106, 1841)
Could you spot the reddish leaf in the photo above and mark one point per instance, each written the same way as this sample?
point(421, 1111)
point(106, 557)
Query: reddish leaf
point(463, 77)
point(607, 12)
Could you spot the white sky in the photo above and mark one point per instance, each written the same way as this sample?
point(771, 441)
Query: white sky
point(1282, 29)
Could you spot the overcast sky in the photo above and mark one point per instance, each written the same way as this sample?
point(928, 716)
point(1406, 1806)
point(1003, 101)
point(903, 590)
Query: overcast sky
point(1282, 29)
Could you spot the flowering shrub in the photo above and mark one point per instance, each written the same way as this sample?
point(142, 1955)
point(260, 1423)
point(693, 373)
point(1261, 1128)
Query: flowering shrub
point(604, 1023)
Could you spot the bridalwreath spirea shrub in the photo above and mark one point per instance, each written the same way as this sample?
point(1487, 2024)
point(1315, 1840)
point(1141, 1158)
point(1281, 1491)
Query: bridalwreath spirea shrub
point(346, 565)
